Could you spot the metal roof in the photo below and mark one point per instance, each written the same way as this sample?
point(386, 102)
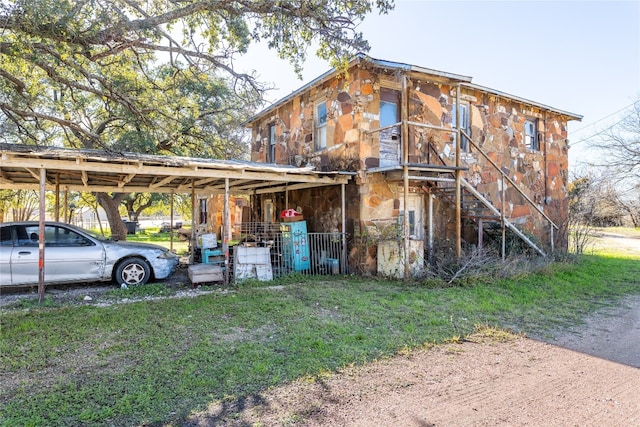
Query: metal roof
point(391, 65)
point(96, 170)
point(359, 58)
point(490, 91)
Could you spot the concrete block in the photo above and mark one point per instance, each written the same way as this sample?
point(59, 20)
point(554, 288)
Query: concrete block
point(201, 273)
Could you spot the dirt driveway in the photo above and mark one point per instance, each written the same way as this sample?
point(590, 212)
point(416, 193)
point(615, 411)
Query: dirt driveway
point(484, 381)
point(589, 376)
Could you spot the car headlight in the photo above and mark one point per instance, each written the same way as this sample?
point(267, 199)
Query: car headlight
point(167, 255)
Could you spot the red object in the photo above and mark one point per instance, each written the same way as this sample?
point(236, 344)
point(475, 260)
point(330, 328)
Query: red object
point(289, 213)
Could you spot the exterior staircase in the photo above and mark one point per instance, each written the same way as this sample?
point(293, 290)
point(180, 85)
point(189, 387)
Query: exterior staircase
point(475, 206)
point(480, 210)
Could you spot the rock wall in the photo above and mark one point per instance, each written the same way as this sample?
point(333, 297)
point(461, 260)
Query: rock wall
point(496, 125)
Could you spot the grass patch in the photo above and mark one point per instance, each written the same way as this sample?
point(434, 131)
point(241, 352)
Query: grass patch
point(146, 290)
point(623, 231)
point(155, 362)
point(181, 247)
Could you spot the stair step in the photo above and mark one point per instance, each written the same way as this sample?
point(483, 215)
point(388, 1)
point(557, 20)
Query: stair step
point(485, 218)
point(477, 208)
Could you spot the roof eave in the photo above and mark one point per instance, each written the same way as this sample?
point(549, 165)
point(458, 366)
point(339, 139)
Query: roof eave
point(570, 116)
point(358, 58)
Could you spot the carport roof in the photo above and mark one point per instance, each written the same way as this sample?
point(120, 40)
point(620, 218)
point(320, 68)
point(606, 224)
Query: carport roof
point(95, 170)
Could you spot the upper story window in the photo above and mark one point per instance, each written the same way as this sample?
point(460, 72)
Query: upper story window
point(320, 124)
point(465, 124)
point(271, 153)
point(390, 148)
point(388, 107)
point(531, 135)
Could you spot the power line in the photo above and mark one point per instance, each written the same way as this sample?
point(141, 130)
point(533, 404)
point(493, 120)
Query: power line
point(600, 132)
point(605, 117)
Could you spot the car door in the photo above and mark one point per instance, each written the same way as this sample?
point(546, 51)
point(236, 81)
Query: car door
point(6, 248)
point(69, 256)
point(24, 256)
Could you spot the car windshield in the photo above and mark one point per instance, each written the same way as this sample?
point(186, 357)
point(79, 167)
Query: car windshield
point(96, 235)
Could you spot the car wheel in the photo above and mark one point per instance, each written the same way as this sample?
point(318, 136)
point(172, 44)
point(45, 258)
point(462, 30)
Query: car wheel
point(133, 271)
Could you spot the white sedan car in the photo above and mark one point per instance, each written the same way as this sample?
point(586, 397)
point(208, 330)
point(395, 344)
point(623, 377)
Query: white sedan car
point(75, 255)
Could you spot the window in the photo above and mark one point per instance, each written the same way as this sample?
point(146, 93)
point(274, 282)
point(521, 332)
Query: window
point(388, 113)
point(203, 211)
point(416, 222)
point(412, 223)
point(389, 138)
point(268, 211)
point(5, 236)
point(53, 236)
point(320, 137)
point(389, 100)
point(531, 135)
point(271, 154)
point(464, 124)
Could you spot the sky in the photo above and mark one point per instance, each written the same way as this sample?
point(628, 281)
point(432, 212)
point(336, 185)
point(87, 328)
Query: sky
point(578, 56)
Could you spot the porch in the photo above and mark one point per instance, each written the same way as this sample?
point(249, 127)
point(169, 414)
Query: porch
point(265, 251)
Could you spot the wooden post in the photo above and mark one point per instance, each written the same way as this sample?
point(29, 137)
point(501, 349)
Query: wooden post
point(480, 236)
point(66, 205)
point(405, 171)
point(43, 182)
point(286, 197)
point(225, 231)
point(343, 260)
point(194, 243)
point(57, 207)
point(458, 178)
point(171, 223)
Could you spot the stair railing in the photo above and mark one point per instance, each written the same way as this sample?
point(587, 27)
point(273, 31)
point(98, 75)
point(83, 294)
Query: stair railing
point(515, 186)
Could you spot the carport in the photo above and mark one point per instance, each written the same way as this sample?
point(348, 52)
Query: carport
point(61, 169)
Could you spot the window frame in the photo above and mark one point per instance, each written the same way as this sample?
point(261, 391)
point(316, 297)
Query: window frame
point(531, 139)
point(415, 209)
point(389, 139)
point(465, 125)
point(53, 237)
point(390, 97)
point(271, 147)
point(320, 127)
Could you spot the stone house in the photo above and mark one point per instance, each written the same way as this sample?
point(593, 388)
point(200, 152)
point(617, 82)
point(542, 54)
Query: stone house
point(441, 166)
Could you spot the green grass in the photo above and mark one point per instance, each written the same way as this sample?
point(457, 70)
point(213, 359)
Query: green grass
point(152, 235)
point(155, 362)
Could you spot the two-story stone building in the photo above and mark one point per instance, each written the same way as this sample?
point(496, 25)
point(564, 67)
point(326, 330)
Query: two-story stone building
point(465, 165)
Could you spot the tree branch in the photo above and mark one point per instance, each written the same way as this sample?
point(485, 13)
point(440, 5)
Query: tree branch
point(62, 122)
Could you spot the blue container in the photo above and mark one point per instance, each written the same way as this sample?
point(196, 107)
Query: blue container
point(295, 245)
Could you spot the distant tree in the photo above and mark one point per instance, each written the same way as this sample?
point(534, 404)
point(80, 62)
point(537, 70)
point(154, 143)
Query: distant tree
point(581, 212)
point(88, 200)
point(136, 203)
point(619, 169)
point(153, 76)
point(597, 200)
point(19, 205)
point(182, 206)
point(628, 202)
point(621, 145)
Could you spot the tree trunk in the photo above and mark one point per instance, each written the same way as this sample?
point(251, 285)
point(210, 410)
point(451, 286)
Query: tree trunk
point(110, 205)
point(137, 212)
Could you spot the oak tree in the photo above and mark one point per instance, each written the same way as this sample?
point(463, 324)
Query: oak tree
point(154, 76)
